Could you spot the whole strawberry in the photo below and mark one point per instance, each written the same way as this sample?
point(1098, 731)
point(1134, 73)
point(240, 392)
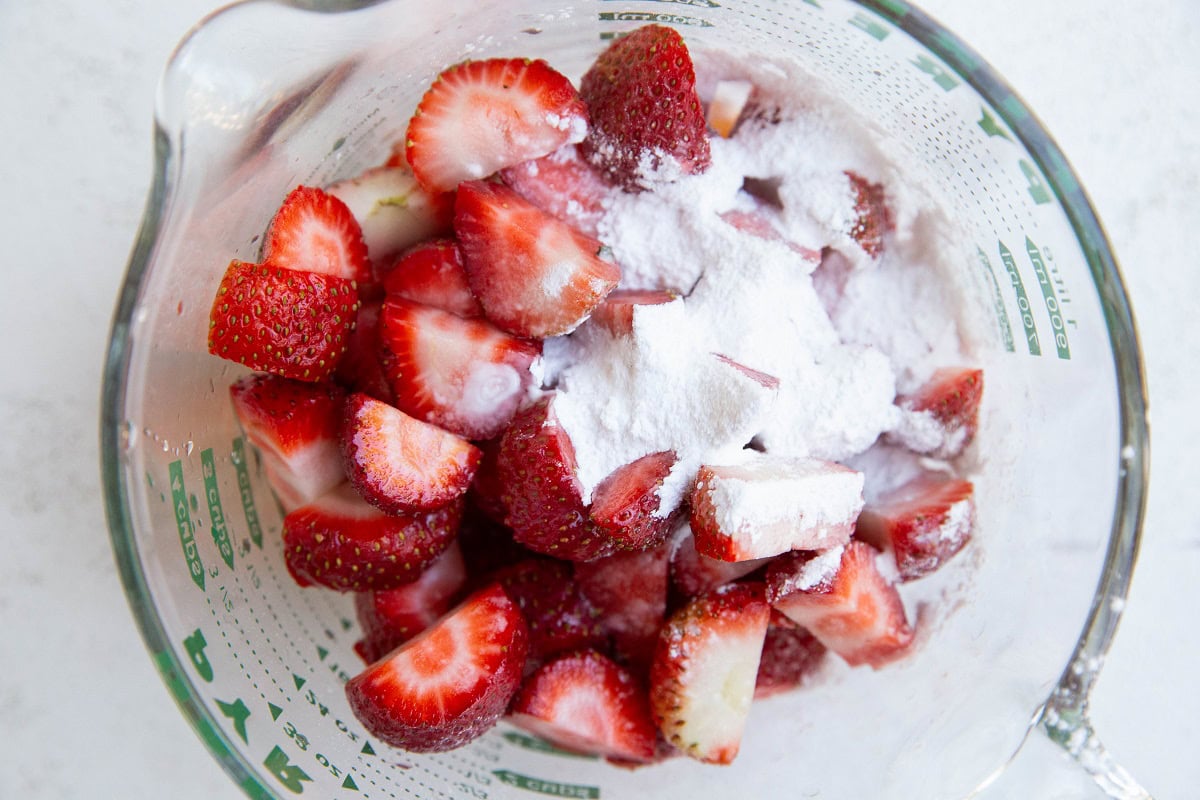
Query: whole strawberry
point(647, 121)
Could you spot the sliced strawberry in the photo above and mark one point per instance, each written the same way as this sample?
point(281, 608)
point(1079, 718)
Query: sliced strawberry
point(790, 654)
point(433, 274)
point(563, 185)
point(481, 116)
point(762, 378)
point(360, 369)
point(702, 678)
point(401, 464)
point(542, 492)
point(391, 617)
point(872, 217)
point(393, 211)
point(487, 546)
point(694, 574)
point(342, 542)
point(626, 506)
point(925, 522)
point(728, 101)
point(295, 427)
point(758, 224)
point(286, 322)
point(630, 592)
point(647, 122)
point(463, 375)
point(487, 490)
point(586, 703)
point(769, 505)
point(615, 314)
point(314, 232)
point(450, 684)
point(558, 615)
point(534, 275)
point(941, 417)
point(841, 597)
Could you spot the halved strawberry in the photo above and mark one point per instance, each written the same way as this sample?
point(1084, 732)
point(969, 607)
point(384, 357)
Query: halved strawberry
point(360, 369)
point(586, 703)
point(559, 617)
point(295, 427)
point(841, 597)
point(941, 417)
point(693, 573)
point(283, 321)
point(630, 592)
point(534, 275)
point(770, 504)
point(390, 617)
point(393, 211)
point(647, 122)
point(563, 185)
point(342, 542)
point(451, 683)
point(615, 314)
point(626, 506)
point(725, 109)
point(925, 522)
point(702, 678)
point(463, 375)
point(873, 218)
point(315, 232)
point(400, 464)
point(790, 654)
point(432, 274)
point(481, 116)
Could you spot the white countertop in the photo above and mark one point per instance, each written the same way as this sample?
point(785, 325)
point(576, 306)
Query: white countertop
point(83, 713)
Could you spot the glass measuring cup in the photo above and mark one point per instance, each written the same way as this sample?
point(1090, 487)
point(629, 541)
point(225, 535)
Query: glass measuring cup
point(264, 96)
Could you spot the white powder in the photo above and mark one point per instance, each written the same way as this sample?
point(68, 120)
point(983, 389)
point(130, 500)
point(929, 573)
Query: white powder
point(818, 569)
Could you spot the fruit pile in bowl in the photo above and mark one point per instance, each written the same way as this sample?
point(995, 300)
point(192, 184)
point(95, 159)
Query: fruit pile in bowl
point(576, 474)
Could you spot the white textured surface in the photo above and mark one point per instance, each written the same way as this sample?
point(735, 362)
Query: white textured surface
point(83, 713)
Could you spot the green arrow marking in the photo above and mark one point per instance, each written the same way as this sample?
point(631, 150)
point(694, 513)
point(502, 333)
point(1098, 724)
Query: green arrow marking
point(873, 27)
point(239, 713)
point(936, 71)
point(990, 126)
point(289, 775)
point(1026, 311)
point(367, 749)
point(296, 679)
point(546, 787)
point(183, 522)
point(989, 275)
point(274, 709)
point(1037, 187)
point(194, 645)
point(1051, 300)
point(347, 624)
point(539, 745)
point(349, 783)
point(243, 478)
point(322, 652)
point(216, 512)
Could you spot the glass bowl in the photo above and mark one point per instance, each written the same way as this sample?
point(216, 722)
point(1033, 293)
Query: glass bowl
point(263, 95)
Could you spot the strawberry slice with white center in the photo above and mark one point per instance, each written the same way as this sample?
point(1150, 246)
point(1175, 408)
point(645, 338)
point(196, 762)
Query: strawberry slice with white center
point(342, 542)
point(842, 599)
point(481, 116)
point(534, 275)
point(313, 231)
point(463, 375)
point(703, 674)
point(725, 110)
point(941, 417)
point(393, 211)
point(693, 573)
point(451, 683)
point(615, 314)
point(391, 617)
point(630, 592)
point(295, 427)
point(626, 506)
point(398, 463)
point(924, 523)
point(790, 654)
point(587, 703)
point(433, 274)
point(767, 505)
point(563, 185)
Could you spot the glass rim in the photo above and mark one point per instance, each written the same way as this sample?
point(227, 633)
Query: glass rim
point(1068, 700)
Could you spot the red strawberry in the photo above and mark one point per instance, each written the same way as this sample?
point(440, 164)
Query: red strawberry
point(433, 274)
point(314, 232)
point(630, 592)
point(534, 275)
point(563, 185)
point(647, 122)
point(400, 464)
point(725, 110)
point(844, 601)
point(481, 116)
point(393, 211)
point(759, 225)
point(295, 427)
point(558, 616)
point(703, 674)
point(941, 417)
point(626, 506)
point(615, 314)
point(586, 703)
point(391, 617)
point(487, 546)
point(360, 369)
point(487, 489)
point(286, 322)
point(461, 374)
point(694, 574)
point(342, 542)
point(873, 218)
point(762, 378)
point(790, 654)
point(450, 684)
point(769, 505)
point(542, 492)
point(924, 522)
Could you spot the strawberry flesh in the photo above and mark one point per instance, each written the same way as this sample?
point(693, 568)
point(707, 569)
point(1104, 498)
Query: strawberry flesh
point(313, 231)
point(563, 185)
point(941, 417)
point(360, 369)
point(625, 505)
point(630, 592)
point(393, 211)
point(693, 573)
point(925, 522)
point(872, 217)
point(615, 314)
point(790, 654)
point(559, 617)
point(433, 274)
